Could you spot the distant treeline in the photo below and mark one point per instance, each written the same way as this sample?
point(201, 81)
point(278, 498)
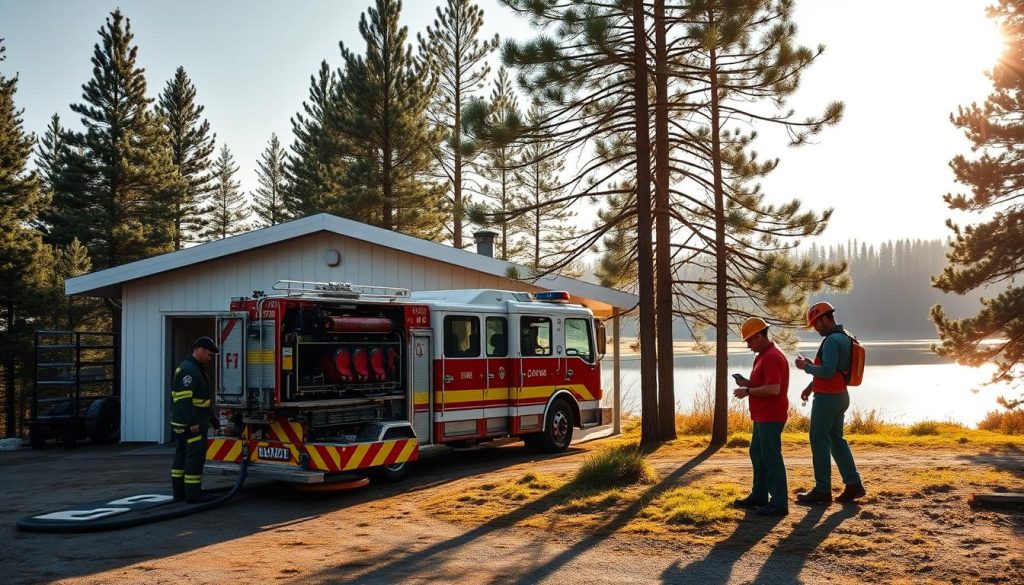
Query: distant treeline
point(892, 290)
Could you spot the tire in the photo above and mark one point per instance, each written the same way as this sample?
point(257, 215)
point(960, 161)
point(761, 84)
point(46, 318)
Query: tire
point(103, 421)
point(558, 426)
point(390, 473)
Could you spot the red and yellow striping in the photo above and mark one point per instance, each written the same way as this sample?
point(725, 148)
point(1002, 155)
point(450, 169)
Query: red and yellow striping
point(321, 457)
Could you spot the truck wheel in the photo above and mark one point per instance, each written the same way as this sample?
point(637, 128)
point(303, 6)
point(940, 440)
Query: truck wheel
point(558, 428)
point(390, 473)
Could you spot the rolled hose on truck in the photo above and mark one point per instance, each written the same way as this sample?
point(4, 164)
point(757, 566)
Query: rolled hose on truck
point(26, 524)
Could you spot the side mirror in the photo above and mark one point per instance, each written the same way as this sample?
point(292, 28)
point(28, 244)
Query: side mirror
point(602, 342)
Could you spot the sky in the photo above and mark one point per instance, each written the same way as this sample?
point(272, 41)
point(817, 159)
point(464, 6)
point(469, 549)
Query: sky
point(900, 66)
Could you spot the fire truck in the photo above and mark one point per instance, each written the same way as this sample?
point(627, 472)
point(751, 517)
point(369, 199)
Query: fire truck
point(319, 382)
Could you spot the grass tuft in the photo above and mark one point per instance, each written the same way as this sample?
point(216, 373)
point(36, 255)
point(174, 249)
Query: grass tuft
point(737, 441)
point(618, 465)
point(923, 428)
point(694, 505)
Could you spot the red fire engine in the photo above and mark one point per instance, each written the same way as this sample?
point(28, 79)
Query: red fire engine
point(324, 380)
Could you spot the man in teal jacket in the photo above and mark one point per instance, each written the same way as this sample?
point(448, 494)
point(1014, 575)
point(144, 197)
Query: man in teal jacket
point(831, 400)
point(191, 400)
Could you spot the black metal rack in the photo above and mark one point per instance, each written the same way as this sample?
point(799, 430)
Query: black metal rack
point(76, 388)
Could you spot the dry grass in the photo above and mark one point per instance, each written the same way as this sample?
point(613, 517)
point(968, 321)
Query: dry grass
point(694, 505)
point(616, 465)
point(1008, 422)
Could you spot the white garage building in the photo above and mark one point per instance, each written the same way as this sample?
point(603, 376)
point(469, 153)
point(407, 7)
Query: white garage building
point(169, 300)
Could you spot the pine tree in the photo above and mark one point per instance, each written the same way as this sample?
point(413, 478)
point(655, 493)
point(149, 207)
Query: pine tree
point(268, 199)
point(991, 253)
point(742, 64)
point(227, 209)
point(23, 262)
point(384, 100)
point(551, 230)
point(73, 312)
point(319, 158)
point(458, 57)
point(114, 189)
point(496, 164)
point(51, 153)
point(191, 147)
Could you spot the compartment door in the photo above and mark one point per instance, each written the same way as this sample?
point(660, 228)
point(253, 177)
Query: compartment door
point(419, 384)
point(231, 390)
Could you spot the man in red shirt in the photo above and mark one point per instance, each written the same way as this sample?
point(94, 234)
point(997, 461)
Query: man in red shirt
point(767, 390)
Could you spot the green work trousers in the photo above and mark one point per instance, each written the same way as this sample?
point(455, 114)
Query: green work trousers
point(769, 468)
point(827, 412)
point(189, 459)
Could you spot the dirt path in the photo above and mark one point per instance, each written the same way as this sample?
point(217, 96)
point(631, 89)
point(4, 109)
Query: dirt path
point(390, 535)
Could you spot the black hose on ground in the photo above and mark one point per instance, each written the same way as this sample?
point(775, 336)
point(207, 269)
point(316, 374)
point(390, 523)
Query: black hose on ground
point(26, 525)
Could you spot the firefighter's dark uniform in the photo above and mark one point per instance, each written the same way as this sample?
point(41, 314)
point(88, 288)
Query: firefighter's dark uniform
point(191, 400)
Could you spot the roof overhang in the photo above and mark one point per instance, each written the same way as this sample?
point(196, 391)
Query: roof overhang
point(107, 283)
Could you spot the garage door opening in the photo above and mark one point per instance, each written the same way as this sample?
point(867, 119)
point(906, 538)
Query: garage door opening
point(181, 334)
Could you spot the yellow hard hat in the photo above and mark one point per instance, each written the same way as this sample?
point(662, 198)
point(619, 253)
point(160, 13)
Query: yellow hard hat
point(752, 327)
point(818, 310)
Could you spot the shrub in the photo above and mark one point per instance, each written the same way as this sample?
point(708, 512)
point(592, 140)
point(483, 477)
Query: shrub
point(699, 419)
point(797, 421)
point(619, 465)
point(925, 427)
point(738, 441)
point(865, 422)
point(1008, 422)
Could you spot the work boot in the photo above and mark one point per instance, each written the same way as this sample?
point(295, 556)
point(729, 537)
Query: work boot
point(813, 496)
point(178, 490)
point(772, 510)
point(851, 492)
point(749, 502)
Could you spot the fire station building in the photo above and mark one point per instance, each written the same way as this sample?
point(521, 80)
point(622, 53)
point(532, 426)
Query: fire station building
point(169, 300)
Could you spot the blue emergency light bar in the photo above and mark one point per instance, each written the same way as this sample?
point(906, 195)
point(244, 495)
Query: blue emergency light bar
point(560, 296)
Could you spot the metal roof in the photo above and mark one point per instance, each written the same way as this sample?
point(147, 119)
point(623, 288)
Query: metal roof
point(108, 282)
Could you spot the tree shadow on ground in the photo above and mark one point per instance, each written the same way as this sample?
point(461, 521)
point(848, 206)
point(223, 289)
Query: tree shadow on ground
point(403, 563)
point(1008, 458)
point(784, 563)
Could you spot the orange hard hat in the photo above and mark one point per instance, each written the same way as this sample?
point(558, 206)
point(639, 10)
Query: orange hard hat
point(752, 327)
point(818, 310)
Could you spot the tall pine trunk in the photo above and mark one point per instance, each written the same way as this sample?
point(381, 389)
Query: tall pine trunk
point(666, 383)
point(10, 407)
point(457, 171)
point(649, 432)
point(720, 427)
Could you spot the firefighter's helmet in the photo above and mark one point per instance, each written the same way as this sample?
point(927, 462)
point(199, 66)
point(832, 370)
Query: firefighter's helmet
point(818, 310)
point(752, 327)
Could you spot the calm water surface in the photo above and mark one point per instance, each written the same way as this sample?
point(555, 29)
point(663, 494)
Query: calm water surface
point(903, 381)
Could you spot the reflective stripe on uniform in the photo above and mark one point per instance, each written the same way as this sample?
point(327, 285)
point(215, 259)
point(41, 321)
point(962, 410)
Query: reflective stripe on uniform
point(194, 439)
point(176, 473)
point(200, 403)
point(179, 425)
point(176, 396)
point(193, 479)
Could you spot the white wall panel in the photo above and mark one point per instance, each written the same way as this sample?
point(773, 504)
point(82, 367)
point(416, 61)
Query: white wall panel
point(206, 289)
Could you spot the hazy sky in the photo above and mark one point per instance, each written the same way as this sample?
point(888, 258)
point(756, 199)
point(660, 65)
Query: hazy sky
point(901, 67)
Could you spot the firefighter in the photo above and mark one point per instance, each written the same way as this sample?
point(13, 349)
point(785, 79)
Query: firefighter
point(191, 418)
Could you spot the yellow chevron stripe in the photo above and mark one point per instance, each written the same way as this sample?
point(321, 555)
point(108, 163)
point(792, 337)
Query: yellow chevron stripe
point(406, 451)
point(385, 450)
point(318, 461)
point(357, 456)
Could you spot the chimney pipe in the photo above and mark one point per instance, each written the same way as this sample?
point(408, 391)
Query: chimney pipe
point(485, 242)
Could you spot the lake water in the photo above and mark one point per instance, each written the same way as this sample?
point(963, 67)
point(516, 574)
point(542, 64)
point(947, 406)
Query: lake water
point(903, 381)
